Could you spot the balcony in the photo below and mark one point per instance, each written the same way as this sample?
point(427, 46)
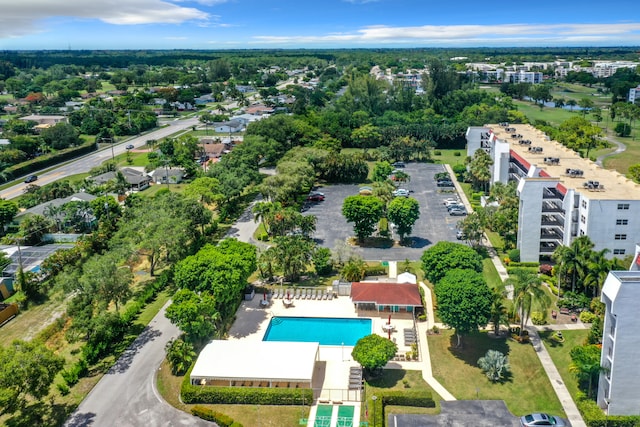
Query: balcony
point(552, 194)
point(547, 247)
point(548, 207)
point(551, 234)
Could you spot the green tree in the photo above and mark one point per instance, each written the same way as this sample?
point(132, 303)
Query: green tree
point(472, 227)
point(404, 212)
point(321, 258)
point(585, 364)
point(293, 254)
point(598, 267)
point(480, 170)
point(528, 293)
point(498, 314)
point(495, 365)
point(373, 352)
point(194, 313)
point(180, 355)
point(354, 269)
point(204, 189)
point(8, 211)
point(364, 212)
point(445, 256)
point(381, 171)
point(27, 370)
point(634, 172)
point(573, 260)
point(586, 104)
point(464, 301)
point(61, 135)
point(108, 280)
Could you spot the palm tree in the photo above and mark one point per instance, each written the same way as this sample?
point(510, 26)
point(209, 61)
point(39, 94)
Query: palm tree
point(573, 259)
point(498, 314)
point(354, 269)
point(528, 292)
point(598, 268)
point(180, 355)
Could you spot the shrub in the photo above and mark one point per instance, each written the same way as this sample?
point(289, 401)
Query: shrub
point(538, 318)
point(514, 255)
point(63, 388)
point(546, 269)
point(495, 365)
point(515, 270)
point(514, 263)
point(437, 153)
point(245, 395)
point(375, 270)
point(587, 317)
point(457, 153)
point(210, 415)
point(399, 398)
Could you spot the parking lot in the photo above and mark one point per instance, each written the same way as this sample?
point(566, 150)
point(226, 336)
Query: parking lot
point(434, 224)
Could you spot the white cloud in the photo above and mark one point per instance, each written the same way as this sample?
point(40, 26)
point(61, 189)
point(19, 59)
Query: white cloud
point(19, 18)
point(473, 34)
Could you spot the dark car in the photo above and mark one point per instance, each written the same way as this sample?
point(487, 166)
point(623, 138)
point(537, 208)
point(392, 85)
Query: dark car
point(130, 147)
point(31, 178)
point(460, 235)
point(445, 184)
point(398, 164)
point(315, 198)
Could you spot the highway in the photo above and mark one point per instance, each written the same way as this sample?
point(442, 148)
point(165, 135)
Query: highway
point(85, 163)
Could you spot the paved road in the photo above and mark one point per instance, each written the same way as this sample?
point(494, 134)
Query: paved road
point(460, 413)
point(126, 395)
point(621, 148)
point(85, 163)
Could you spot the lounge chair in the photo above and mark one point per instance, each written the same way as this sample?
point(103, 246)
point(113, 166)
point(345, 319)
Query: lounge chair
point(303, 293)
point(297, 293)
point(330, 295)
point(313, 294)
point(324, 294)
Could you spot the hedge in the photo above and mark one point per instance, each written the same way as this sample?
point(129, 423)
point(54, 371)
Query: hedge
point(50, 159)
point(399, 398)
point(594, 416)
point(375, 270)
point(524, 264)
point(513, 270)
point(210, 415)
point(245, 395)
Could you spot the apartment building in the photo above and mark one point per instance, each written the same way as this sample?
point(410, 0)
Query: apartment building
point(523, 77)
point(562, 196)
point(619, 385)
point(634, 95)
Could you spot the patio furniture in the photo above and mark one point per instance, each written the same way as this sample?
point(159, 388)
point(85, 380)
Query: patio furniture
point(330, 297)
point(297, 294)
point(303, 293)
point(324, 295)
point(313, 294)
point(554, 314)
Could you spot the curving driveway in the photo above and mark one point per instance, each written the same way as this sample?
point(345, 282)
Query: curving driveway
point(621, 148)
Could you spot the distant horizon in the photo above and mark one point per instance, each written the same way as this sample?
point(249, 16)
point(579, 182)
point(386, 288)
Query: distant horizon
point(331, 24)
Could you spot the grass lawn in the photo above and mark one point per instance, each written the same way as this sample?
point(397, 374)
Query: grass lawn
point(559, 353)
point(394, 379)
point(621, 162)
point(248, 415)
point(490, 274)
point(449, 157)
point(527, 390)
point(554, 116)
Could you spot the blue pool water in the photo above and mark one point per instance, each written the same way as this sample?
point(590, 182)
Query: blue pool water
point(325, 330)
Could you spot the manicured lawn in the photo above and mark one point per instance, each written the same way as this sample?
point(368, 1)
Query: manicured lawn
point(554, 116)
point(248, 415)
point(621, 162)
point(449, 157)
point(490, 274)
point(559, 353)
point(394, 380)
point(527, 390)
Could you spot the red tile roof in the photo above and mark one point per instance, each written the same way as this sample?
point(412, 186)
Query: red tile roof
point(386, 293)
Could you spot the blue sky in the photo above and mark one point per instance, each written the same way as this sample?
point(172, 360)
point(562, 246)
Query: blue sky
point(252, 24)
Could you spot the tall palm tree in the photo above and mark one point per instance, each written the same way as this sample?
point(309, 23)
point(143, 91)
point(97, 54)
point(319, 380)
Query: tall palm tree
point(498, 314)
point(573, 260)
point(528, 293)
point(598, 267)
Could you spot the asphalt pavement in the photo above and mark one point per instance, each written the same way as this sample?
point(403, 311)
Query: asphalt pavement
point(85, 163)
point(434, 224)
point(460, 413)
point(126, 396)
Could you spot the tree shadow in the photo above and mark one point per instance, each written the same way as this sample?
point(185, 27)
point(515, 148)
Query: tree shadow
point(44, 413)
point(125, 360)
point(415, 242)
point(475, 346)
point(547, 336)
point(81, 419)
point(388, 379)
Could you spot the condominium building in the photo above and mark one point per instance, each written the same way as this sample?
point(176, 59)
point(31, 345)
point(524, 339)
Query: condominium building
point(523, 77)
point(562, 196)
point(619, 385)
point(634, 95)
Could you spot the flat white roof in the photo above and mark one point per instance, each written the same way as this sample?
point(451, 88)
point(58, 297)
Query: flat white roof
point(264, 360)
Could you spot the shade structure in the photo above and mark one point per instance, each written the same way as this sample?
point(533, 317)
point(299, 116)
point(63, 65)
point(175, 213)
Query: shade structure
point(271, 361)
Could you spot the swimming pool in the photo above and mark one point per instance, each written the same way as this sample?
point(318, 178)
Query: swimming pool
point(324, 330)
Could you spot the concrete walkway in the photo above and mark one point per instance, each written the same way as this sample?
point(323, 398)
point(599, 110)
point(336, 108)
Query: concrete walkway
point(423, 346)
point(621, 148)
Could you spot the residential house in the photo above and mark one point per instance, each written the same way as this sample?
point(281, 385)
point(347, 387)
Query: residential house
point(136, 179)
point(231, 126)
point(167, 175)
point(258, 109)
point(44, 119)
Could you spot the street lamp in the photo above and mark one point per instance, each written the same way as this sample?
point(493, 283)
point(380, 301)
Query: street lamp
point(374, 398)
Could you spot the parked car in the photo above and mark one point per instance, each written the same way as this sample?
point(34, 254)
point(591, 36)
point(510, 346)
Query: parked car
point(460, 235)
point(456, 206)
point(457, 212)
point(533, 420)
point(130, 147)
point(401, 192)
point(31, 178)
point(453, 203)
point(445, 184)
point(316, 193)
point(398, 164)
point(315, 198)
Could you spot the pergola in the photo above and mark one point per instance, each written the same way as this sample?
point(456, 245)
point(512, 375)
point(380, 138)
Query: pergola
point(242, 363)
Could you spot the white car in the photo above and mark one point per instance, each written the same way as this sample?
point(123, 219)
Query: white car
point(401, 192)
point(450, 202)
